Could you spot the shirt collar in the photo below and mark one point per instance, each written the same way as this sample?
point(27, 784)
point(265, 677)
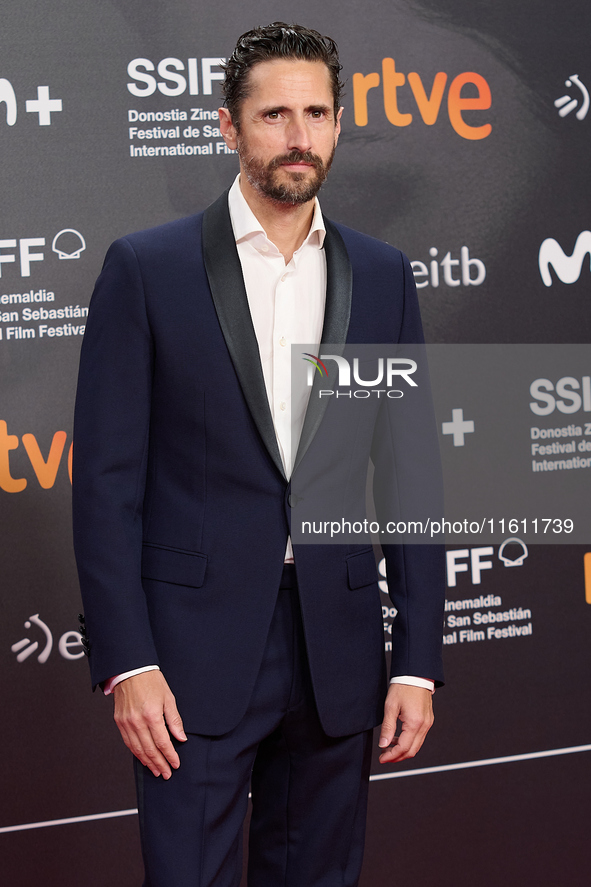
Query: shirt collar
point(246, 225)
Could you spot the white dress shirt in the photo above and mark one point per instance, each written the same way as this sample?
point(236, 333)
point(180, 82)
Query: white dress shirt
point(286, 304)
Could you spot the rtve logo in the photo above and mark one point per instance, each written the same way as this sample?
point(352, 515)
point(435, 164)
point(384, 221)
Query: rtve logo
point(427, 105)
point(43, 105)
point(567, 268)
point(45, 468)
point(171, 82)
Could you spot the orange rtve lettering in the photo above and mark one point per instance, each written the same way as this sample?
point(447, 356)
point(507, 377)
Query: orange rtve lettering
point(361, 86)
point(46, 471)
point(8, 442)
point(392, 80)
point(456, 104)
point(429, 107)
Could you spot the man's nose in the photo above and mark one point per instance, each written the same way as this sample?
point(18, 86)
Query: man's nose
point(298, 135)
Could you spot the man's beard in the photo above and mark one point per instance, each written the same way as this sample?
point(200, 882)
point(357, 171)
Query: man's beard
point(300, 188)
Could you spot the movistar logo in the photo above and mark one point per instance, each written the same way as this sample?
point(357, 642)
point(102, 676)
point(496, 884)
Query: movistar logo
point(567, 268)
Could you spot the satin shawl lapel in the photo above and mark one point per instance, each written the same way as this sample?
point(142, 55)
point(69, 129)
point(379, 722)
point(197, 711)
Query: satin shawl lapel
point(339, 288)
point(226, 282)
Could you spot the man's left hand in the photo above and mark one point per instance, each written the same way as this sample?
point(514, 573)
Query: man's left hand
point(412, 706)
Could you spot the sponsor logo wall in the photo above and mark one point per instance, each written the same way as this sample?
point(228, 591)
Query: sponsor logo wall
point(465, 142)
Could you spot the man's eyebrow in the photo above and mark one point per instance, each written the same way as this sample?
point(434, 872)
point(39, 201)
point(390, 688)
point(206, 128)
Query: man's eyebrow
point(273, 109)
point(325, 108)
point(279, 109)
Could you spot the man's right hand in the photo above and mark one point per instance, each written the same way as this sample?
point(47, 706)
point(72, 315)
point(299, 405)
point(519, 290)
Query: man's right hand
point(144, 708)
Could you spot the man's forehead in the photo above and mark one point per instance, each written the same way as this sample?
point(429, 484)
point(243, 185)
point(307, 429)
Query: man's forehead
point(292, 78)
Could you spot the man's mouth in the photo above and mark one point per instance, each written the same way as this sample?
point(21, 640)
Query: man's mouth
point(297, 162)
point(300, 164)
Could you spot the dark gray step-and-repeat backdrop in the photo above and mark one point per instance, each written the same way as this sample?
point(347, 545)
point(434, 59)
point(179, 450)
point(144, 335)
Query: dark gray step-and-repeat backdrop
point(466, 143)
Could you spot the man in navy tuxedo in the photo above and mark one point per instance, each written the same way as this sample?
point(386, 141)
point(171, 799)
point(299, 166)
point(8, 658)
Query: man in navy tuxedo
point(196, 603)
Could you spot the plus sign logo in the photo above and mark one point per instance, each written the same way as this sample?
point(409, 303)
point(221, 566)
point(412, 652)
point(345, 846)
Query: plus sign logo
point(458, 426)
point(44, 106)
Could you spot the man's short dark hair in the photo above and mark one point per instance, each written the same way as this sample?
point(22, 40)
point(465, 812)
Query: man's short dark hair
point(277, 41)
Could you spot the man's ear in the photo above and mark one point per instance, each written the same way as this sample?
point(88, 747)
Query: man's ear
point(227, 128)
point(337, 130)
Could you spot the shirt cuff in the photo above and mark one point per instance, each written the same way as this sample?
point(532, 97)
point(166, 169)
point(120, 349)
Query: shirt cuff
point(411, 681)
point(112, 682)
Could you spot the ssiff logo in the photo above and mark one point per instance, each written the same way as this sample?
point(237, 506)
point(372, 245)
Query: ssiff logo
point(67, 244)
point(172, 82)
point(512, 553)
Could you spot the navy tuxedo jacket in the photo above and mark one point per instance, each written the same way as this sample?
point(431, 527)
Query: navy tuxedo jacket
point(181, 504)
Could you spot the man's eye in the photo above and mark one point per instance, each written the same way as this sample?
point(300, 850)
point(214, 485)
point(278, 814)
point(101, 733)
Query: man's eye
point(273, 115)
